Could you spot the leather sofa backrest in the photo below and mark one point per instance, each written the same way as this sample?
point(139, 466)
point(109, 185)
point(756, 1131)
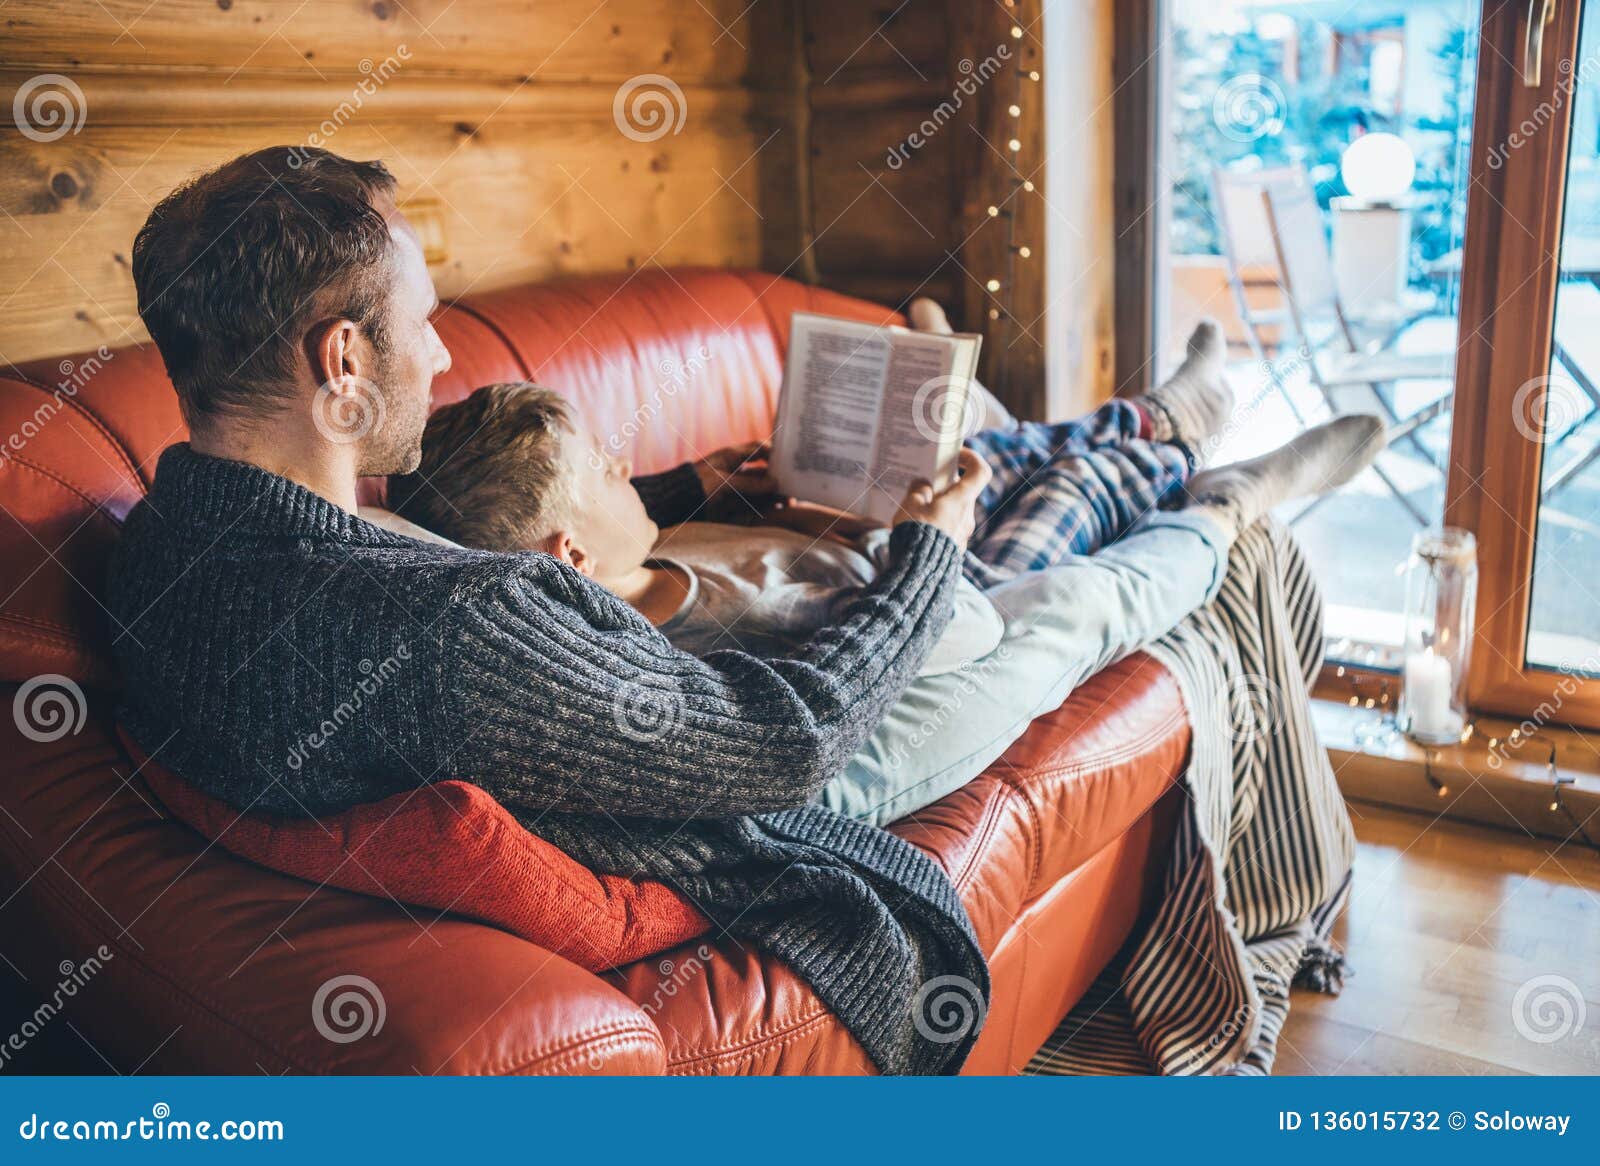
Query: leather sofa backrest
point(669, 364)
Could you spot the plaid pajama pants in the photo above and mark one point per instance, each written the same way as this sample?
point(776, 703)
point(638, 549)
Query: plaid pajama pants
point(1068, 488)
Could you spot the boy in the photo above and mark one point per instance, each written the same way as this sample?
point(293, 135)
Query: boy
point(512, 467)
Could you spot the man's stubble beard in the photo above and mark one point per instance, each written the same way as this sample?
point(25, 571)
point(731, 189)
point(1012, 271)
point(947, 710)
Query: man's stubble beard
point(406, 463)
point(396, 447)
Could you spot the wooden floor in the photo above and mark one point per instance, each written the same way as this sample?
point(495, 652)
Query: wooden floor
point(1447, 924)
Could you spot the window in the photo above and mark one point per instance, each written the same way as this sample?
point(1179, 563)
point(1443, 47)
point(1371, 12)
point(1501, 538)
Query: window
point(1352, 126)
point(1388, 220)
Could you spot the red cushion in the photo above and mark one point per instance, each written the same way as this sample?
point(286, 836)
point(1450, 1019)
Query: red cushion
point(449, 847)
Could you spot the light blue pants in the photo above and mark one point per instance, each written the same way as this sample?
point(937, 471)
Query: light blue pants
point(1063, 624)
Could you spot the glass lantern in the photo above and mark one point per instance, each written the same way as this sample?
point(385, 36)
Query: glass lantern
point(1441, 593)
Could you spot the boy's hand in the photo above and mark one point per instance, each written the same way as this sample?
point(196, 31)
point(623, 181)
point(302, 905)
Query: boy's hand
point(737, 472)
point(952, 509)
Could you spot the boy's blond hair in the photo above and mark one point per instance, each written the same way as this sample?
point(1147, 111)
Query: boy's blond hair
point(491, 474)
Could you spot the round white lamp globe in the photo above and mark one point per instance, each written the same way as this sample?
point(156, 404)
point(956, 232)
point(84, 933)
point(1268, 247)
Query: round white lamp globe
point(1378, 167)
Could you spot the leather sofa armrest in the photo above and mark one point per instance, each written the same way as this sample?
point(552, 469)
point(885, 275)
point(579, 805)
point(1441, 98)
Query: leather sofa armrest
point(342, 985)
point(188, 960)
point(463, 998)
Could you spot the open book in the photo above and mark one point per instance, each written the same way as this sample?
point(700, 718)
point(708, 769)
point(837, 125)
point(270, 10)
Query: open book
point(865, 411)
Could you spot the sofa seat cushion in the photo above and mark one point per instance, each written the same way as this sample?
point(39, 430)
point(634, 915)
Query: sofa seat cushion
point(1070, 787)
point(449, 847)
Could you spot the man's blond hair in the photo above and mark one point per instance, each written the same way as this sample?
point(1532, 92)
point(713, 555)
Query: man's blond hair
point(491, 474)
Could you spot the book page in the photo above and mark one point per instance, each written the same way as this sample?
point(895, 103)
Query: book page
point(828, 415)
point(918, 396)
point(866, 410)
point(841, 380)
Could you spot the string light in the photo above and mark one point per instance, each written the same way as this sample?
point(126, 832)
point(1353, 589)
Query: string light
point(1439, 788)
point(1558, 779)
point(1496, 746)
point(1013, 248)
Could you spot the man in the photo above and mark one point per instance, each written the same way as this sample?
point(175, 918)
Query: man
point(292, 307)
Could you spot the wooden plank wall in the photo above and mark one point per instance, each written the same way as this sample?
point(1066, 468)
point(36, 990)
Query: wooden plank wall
point(496, 116)
point(891, 216)
point(795, 150)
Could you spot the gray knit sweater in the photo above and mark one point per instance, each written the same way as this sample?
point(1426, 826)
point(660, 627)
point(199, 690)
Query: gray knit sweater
point(286, 656)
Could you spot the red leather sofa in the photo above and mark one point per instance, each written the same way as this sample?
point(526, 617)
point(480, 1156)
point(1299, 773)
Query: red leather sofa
point(214, 962)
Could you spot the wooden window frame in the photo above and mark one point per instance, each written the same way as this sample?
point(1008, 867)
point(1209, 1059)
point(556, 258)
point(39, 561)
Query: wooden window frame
point(1139, 77)
point(1513, 232)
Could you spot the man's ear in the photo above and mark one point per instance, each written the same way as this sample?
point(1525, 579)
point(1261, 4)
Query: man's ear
point(560, 545)
point(335, 351)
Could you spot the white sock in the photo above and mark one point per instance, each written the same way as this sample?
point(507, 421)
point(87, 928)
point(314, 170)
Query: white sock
point(1319, 460)
point(1195, 402)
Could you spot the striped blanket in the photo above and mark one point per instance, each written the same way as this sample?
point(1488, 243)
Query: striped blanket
point(1261, 862)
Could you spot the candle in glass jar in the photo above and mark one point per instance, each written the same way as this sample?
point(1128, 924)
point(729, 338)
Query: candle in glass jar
point(1428, 691)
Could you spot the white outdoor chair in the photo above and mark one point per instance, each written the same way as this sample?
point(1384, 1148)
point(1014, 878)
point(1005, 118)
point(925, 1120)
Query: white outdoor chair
point(1339, 365)
point(1252, 263)
point(1255, 275)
